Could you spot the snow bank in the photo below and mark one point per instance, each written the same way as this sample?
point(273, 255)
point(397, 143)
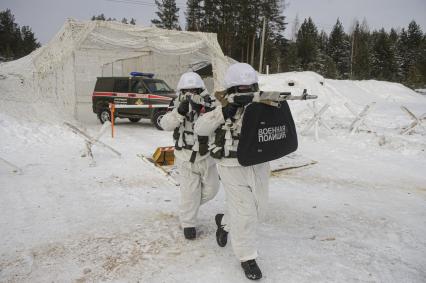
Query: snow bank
point(23, 99)
point(388, 97)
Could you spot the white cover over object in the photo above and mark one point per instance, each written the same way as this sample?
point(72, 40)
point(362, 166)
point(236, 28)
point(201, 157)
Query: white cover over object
point(240, 74)
point(190, 80)
point(64, 71)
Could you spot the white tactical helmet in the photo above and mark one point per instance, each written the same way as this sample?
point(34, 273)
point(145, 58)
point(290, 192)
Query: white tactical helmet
point(190, 80)
point(240, 74)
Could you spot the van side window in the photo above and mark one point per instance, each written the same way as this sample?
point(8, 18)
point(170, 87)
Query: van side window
point(138, 87)
point(104, 84)
point(121, 86)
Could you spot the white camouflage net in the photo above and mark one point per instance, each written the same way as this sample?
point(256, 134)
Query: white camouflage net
point(64, 71)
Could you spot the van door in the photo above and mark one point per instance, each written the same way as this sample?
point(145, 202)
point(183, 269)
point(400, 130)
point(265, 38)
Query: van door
point(138, 96)
point(121, 90)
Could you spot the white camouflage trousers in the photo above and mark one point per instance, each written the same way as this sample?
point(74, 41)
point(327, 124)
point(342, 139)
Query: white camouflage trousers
point(199, 183)
point(246, 191)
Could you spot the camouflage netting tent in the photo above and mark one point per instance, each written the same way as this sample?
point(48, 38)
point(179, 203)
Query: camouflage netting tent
point(64, 71)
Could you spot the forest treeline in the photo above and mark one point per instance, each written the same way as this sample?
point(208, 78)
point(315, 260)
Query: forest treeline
point(398, 55)
point(15, 41)
point(355, 52)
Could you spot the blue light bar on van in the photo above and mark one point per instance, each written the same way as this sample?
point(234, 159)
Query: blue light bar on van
point(140, 74)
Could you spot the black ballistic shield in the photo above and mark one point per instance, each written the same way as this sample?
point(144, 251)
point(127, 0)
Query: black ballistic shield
point(267, 133)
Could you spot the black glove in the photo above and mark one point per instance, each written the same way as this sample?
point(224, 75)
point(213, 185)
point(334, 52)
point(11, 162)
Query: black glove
point(208, 100)
point(183, 108)
point(229, 110)
point(196, 107)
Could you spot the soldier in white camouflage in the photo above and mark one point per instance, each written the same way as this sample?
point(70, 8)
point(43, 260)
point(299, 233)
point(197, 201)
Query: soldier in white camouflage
point(199, 181)
point(246, 187)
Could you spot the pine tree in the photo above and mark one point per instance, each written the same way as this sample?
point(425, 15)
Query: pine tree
point(414, 44)
point(307, 44)
point(361, 52)
point(29, 42)
point(415, 78)
point(238, 25)
point(194, 14)
point(339, 49)
point(402, 55)
point(8, 38)
point(291, 59)
point(14, 41)
point(275, 44)
point(415, 37)
point(322, 41)
point(210, 20)
point(168, 15)
point(409, 51)
point(422, 63)
point(394, 39)
point(227, 19)
point(324, 65)
point(384, 65)
point(393, 36)
point(100, 17)
point(248, 22)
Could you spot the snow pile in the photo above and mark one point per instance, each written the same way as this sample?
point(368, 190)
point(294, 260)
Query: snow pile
point(21, 98)
point(421, 90)
point(387, 96)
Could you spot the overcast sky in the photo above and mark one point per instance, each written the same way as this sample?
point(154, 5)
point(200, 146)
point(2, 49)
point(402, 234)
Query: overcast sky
point(46, 17)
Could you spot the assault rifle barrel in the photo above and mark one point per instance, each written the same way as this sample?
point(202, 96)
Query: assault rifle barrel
point(281, 96)
point(288, 96)
point(268, 97)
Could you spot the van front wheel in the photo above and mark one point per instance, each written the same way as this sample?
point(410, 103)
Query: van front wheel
point(104, 115)
point(156, 118)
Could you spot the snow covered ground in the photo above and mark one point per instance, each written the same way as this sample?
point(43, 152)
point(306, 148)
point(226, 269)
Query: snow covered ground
point(358, 215)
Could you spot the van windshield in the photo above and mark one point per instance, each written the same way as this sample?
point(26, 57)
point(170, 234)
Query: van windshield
point(156, 86)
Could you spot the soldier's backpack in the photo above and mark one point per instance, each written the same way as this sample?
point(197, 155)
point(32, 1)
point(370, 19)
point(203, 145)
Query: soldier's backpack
point(267, 133)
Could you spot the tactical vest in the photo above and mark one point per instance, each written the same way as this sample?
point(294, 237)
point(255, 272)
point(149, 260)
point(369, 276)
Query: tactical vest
point(227, 136)
point(185, 138)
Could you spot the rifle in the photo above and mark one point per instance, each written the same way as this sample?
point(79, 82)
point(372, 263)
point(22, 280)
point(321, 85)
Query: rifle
point(272, 98)
point(203, 98)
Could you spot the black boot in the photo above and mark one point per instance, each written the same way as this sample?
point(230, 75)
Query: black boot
point(189, 233)
point(221, 234)
point(251, 269)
